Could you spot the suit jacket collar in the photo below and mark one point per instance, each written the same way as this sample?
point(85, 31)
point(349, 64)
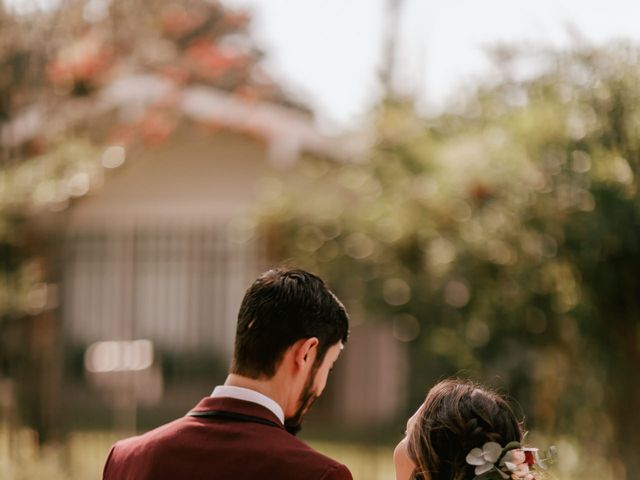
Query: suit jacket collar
point(234, 405)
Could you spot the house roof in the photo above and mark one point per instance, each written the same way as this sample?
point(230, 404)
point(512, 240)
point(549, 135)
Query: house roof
point(286, 131)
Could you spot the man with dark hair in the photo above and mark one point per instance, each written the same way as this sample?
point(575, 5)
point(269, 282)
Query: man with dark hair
point(291, 329)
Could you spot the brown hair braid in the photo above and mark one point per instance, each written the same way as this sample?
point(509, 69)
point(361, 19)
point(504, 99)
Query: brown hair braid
point(456, 417)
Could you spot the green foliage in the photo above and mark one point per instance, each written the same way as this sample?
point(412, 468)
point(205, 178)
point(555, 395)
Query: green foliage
point(45, 182)
point(503, 242)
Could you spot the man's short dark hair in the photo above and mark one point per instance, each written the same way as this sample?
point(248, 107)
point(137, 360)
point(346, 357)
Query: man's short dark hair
point(282, 306)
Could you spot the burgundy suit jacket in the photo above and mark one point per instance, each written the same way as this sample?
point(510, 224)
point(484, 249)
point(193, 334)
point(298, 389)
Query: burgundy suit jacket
point(196, 448)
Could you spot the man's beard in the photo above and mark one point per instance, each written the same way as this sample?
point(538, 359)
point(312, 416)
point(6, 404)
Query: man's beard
point(293, 424)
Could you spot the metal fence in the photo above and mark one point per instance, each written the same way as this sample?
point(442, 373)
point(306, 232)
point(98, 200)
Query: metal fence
point(179, 286)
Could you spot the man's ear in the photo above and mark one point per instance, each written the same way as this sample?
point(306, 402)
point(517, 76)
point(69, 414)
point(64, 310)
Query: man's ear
point(306, 351)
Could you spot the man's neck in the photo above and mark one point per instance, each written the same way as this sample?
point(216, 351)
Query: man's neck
point(268, 387)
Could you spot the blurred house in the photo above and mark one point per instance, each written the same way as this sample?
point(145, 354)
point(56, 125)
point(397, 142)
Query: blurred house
point(166, 248)
point(156, 240)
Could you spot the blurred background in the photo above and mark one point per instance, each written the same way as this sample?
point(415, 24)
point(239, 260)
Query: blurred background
point(464, 175)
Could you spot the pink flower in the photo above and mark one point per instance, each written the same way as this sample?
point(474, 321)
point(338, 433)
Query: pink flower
point(515, 461)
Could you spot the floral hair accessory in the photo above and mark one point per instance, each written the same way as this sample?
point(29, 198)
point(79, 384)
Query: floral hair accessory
point(513, 461)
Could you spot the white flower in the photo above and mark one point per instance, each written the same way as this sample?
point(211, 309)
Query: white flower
point(484, 459)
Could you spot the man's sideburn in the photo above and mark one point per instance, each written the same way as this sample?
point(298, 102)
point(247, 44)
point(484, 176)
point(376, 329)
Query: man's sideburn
point(293, 424)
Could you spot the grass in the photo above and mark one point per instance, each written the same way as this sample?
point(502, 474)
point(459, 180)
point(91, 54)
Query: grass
point(82, 456)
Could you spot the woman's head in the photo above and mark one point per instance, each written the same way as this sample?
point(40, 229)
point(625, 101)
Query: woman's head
point(456, 417)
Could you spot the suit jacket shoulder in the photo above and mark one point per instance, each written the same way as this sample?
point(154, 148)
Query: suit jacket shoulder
point(205, 448)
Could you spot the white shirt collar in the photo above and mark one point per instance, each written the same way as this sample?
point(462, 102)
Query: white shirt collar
point(248, 395)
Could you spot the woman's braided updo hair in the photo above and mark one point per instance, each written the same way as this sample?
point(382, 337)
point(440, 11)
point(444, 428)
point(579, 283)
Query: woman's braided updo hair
point(456, 417)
